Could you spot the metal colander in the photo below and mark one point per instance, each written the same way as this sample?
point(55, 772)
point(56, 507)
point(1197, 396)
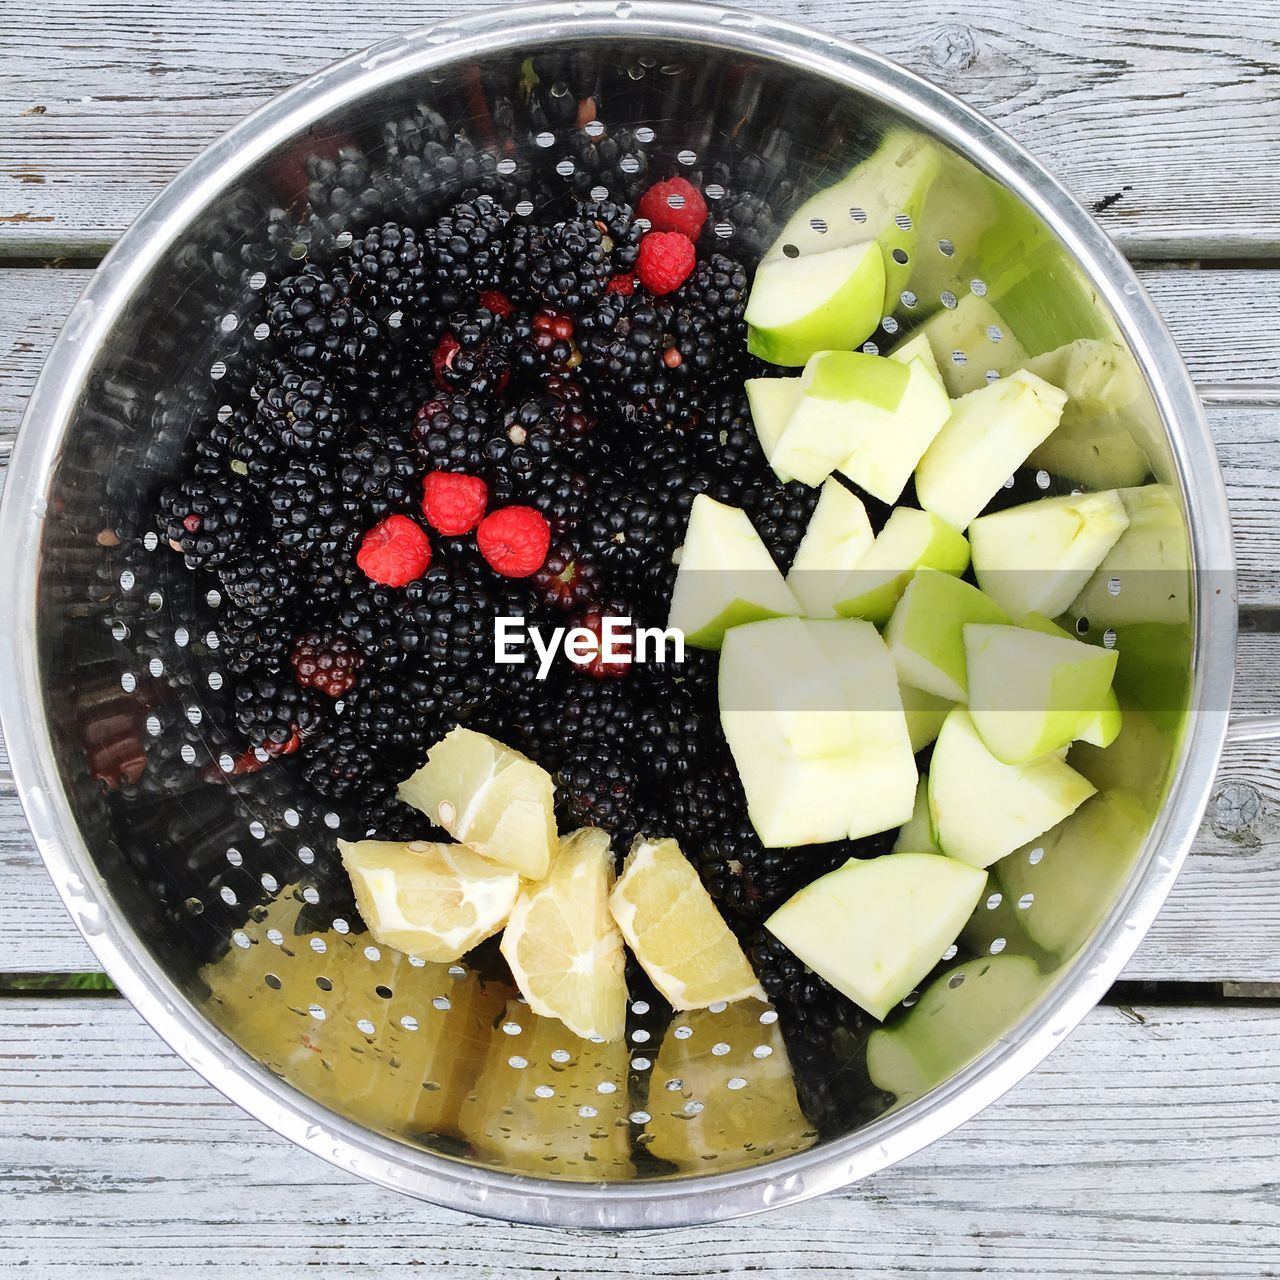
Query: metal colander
point(216, 900)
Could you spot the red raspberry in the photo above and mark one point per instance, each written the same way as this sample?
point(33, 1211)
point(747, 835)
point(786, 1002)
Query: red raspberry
point(666, 259)
point(674, 205)
point(596, 664)
point(452, 502)
point(395, 552)
point(496, 301)
point(514, 540)
point(624, 284)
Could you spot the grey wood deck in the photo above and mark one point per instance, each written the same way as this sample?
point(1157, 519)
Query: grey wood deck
point(1149, 1145)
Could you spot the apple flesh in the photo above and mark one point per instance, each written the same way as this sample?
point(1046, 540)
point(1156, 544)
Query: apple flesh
point(771, 401)
point(1038, 557)
point(916, 834)
point(925, 714)
point(961, 1013)
point(964, 346)
point(838, 391)
point(983, 809)
point(917, 348)
point(926, 632)
point(802, 305)
point(1031, 693)
point(987, 437)
point(726, 577)
point(910, 540)
point(874, 928)
point(1102, 729)
point(838, 536)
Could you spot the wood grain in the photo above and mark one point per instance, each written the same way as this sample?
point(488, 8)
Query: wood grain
point(1163, 110)
point(1147, 1145)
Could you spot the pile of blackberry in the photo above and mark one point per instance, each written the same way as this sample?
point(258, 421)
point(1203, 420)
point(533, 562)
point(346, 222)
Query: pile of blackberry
point(524, 350)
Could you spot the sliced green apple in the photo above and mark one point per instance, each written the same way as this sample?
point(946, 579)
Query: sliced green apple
point(965, 344)
point(910, 540)
point(771, 401)
point(882, 779)
point(838, 391)
point(816, 302)
point(983, 809)
point(926, 631)
point(1031, 693)
point(726, 577)
point(925, 714)
point(985, 440)
point(838, 536)
point(917, 834)
point(1038, 557)
point(961, 1013)
point(1103, 728)
point(874, 928)
point(917, 348)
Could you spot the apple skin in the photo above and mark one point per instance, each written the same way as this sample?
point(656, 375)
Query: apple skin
point(844, 314)
point(1038, 557)
point(910, 540)
point(1030, 692)
point(875, 927)
point(983, 810)
point(837, 538)
point(987, 438)
point(926, 632)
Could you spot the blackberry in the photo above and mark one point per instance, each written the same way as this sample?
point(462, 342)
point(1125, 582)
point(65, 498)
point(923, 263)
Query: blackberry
point(475, 353)
point(326, 660)
point(263, 582)
point(625, 527)
point(726, 442)
point(448, 621)
point(543, 342)
point(568, 409)
point(450, 433)
point(241, 446)
point(718, 288)
point(706, 803)
point(620, 341)
point(396, 714)
point(247, 643)
point(469, 245)
point(573, 268)
point(616, 221)
point(381, 473)
point(386, 817)
point(614, 161)
point(560, 492)
point(299, 409)
point(671, 739)
point(273, 713)
point(751, 220)
point(781, 514)
point(371, 615)
point(569, 580)
point(390, 266)
point(516, 456)
point(390, 385)
point(807, 1004)
point(310, 513)
point(315, 320)
point(599, 791)
point(337, 764)
point(208, 520)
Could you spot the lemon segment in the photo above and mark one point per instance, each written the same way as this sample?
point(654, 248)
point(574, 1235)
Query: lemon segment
point(433, 901)
point(494, 800)
point(563, 947)
point(675, 931)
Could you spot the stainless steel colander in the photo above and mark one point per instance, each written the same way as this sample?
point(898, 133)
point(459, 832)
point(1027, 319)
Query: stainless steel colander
point(215, 899)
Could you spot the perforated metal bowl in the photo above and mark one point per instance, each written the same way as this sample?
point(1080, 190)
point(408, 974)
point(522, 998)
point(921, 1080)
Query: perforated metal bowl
point(216, 902)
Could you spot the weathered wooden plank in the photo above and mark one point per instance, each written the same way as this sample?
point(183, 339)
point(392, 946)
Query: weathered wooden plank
point(1158, 110)
point(1220, 923)
point(1147, 1146)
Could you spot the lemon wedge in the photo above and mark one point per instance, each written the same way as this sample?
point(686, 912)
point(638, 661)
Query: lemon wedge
point(563, 947)
point(433, 901)
point(496, 801)
point(675, 931)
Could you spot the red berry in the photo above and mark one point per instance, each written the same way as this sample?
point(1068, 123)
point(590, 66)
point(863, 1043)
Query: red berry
point(666, 259)
point(442, 358)
point(326, 661)
point(674, 205)
point(514, 540)
point(452, 502)
point(596, 664)
point(191, 523)
point(395, 552)
point(496, 301)
point(624, 284)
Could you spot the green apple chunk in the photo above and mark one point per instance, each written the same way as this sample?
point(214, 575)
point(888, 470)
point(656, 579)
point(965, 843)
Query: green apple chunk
point(917, 348)
point(726, 577)
point(910, 540)
point(874, 928)
point(816, 302)
point(1038, 557)
point(983, 809)
point(965, 344)
point(840, 392)
point(771, 401)
point(1064, 882)
point(838, 536)
point(1102, 729)
point(1032, 693)
point(916, 834)
point(960, 1014)
point(985, 440)
point(925, 714)
point(926, 632)
point(882, 781)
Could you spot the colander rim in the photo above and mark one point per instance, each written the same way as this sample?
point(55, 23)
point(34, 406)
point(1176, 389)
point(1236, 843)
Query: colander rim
point(680, 1200)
